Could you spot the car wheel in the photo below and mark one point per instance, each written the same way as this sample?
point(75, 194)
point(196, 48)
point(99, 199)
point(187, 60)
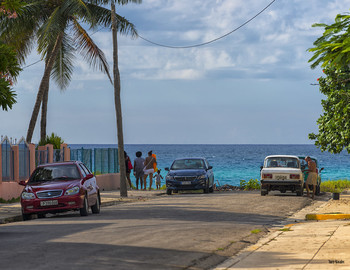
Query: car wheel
point(300, 191)
point(264, 192)
point(41, 215)
point(95, 209)
point(318, 190)
point(85, 210)
point(211, 189)
point(26, 217)
point(206, 189)
point(168, 191)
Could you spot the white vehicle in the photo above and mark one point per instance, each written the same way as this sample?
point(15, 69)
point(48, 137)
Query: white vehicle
point(282, 172)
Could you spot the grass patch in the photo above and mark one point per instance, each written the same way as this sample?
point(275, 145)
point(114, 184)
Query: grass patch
point(285, 230)
point(13, 200)
point(255, 231)
point(220, 249)
point(335, 186)
point(252, 184)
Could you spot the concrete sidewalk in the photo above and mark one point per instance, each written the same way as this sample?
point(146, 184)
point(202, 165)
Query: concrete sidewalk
point(12, 212)
point(319, 243)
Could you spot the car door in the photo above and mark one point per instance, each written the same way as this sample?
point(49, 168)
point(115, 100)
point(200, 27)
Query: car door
point(210, 174)
point(90, 185)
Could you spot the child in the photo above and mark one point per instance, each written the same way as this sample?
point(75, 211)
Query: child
point(158, 179)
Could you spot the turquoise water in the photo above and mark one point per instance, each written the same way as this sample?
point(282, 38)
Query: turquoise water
point(231, 163)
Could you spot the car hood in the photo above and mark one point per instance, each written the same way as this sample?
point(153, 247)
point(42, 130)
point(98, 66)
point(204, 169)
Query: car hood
point(281, 170)
point(186, 172)
point(51, 185)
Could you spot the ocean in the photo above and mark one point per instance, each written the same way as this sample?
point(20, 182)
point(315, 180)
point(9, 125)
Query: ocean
point(235, 162)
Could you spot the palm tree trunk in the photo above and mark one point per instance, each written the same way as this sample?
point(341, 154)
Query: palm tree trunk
point(118, 108)
point(44, 113)
point(43, 88)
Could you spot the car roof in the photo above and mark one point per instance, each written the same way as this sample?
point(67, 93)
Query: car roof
point(285, 156)
point(60, 163)
point(190, 158)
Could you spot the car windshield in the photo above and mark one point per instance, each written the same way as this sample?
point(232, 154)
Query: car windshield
point(286, 162)
point(52, 173)
point(185, 164)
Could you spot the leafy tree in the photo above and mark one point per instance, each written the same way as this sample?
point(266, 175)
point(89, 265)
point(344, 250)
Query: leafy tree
point(333, 47)
point(53, 139)
point(334, 123)
point(9, 66)
point(56, 27)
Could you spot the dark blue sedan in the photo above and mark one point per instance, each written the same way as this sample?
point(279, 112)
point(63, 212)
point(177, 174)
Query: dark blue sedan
point(190, 174)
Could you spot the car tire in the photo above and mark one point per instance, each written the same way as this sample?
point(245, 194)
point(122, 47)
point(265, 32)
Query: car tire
point(264, 192)
point(41, 215)
point(318, 190)
point(300, 191)
point(206, 189)
point(26, 217)
point(96, 208)
point(168, 191)
point(84, 211)
point(211, 189)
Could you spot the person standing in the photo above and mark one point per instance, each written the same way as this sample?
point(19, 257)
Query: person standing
point(149, 163)
point(128, 167)
point(312, 177)
point(138, 169)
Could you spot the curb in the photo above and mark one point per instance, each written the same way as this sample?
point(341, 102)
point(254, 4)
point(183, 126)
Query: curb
point(327, 216)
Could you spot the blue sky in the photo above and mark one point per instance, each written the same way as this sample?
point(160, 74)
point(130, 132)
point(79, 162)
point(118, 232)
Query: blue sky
point(251, 87)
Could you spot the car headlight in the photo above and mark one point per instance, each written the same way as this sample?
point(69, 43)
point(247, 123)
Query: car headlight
point(169, 177)
point(28, 196)
point(202, 177)
point(72, 191)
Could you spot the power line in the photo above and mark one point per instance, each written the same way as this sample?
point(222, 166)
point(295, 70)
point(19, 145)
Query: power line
point(190, 46)
point(213, 40)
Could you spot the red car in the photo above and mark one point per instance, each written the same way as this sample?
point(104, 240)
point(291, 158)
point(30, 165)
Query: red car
point(60, 187)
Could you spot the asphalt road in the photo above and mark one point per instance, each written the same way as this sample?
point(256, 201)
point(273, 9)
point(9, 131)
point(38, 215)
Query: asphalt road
point(182, 231)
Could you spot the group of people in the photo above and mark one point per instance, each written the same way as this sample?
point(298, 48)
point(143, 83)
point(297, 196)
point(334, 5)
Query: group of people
point(143, 168)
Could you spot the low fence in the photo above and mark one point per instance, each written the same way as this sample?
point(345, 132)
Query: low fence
point(98, 160)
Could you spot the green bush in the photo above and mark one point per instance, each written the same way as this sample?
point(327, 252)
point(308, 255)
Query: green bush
point(13, 200)
point(252, 184)
point(53, 139)
point(335, 185)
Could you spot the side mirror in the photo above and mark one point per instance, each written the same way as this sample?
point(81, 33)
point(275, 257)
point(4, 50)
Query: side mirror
point(321, 169)
point(87, 177)
point(167, 169)
point(22, 183)
point(210, 167)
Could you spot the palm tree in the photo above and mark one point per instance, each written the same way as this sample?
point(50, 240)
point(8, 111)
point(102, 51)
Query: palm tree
point(56, 27)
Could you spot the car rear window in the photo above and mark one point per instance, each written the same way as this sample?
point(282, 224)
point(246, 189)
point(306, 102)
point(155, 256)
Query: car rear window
point(275, 162)
point(52, 173)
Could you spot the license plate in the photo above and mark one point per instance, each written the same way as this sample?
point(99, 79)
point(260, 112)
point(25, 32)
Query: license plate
point(48, 203)
point(281, 177)
point(186, 183)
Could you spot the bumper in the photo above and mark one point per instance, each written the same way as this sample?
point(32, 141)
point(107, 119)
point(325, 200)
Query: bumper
point(190, 185)
point(282, 182)
point(64, 203)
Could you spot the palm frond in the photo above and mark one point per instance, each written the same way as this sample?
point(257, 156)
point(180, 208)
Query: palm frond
point(63, 67)
point(89, 50)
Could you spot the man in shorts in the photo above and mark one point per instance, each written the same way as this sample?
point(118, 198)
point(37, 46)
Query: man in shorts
point(312, 177)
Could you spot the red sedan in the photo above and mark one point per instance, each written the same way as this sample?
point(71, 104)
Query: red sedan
point(60, 187)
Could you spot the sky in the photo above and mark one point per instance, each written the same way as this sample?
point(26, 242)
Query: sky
point(253, 86)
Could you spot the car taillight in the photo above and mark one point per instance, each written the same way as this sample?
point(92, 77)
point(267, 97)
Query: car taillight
point(267, 176)
point(294, 176)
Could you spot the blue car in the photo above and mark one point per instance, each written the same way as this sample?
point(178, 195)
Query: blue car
point(190, 174)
